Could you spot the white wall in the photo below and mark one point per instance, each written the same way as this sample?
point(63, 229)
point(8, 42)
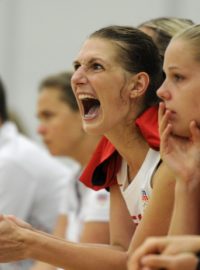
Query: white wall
point(39, 37)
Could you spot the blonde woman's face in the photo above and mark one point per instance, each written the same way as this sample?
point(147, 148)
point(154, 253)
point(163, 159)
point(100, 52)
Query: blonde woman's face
point(181, 89)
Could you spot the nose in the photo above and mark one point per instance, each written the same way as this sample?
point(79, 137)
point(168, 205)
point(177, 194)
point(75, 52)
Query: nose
point(79, 76)
point(163, 92)
point(41, 129)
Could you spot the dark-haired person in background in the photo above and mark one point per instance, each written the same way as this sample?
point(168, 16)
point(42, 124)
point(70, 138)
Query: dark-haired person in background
point(84, 214)
point(31, 181)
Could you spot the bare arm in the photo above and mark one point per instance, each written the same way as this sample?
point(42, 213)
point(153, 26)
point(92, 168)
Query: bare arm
point(95, 232)
point(182, 156)
point(122, 227)
point(157, 215)
point(186, 217)
point(70, 255)
point(171, 253)
point(60, 229)
point(95, 228)
point(47, 248)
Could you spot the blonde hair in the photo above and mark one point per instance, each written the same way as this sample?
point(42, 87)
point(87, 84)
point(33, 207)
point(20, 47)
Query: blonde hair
point(164, 29)
point(192, 36)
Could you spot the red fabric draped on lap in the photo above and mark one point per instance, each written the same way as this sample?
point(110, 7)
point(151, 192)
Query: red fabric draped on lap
point(102, 169)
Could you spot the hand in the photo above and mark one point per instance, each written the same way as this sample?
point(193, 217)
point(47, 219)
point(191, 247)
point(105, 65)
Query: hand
point(12, 246)
point(19, 222)
point(184, 261)
point(166, 252)
point(182, 155)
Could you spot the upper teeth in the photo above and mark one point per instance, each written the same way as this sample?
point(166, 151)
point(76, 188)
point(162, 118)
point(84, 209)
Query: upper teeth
point(83, 96)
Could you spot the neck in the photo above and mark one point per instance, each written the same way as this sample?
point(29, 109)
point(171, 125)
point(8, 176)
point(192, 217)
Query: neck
point(131, 146)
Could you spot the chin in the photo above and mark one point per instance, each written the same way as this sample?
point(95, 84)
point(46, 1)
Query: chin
point(53, 152)
point(92, 130)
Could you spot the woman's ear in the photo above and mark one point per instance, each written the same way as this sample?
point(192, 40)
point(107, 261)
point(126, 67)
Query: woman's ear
point(139, 85)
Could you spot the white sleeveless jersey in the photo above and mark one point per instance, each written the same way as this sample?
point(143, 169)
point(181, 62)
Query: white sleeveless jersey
point(137, 193)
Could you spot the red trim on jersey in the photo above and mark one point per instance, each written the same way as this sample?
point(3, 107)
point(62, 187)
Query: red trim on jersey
point(102, 169)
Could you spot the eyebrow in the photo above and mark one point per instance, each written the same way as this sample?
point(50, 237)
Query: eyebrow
point(90, 61)
point(75, 62)
point(173, 67)
point(170, 68)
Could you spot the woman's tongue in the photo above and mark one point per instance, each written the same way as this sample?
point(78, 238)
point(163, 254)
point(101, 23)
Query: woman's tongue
point(92, 113)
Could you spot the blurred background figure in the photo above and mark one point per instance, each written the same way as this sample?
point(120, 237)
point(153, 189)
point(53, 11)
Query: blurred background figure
point(162, 29)
point(85, 213)
point(31, 181)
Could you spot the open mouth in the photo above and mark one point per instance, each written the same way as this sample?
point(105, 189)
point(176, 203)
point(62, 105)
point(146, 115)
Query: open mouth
point(90, 106)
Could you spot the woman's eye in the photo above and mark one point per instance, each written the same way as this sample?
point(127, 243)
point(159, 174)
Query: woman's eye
point(76, 66)
point(97, 66)
point(178, 77)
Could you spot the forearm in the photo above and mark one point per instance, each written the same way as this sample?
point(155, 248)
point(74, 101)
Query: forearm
point(186, 214)
point(64, 254)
